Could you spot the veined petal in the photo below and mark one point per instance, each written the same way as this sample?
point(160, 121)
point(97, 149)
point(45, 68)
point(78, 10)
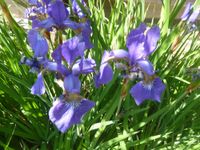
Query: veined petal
point(37, 43)
point(61, 114)
point(146, 66)
point(72, 84)
point(64, 114)
point(84, 106)
point(38, 88)
point(83, 66)
point(141, 92)
point(152, 38)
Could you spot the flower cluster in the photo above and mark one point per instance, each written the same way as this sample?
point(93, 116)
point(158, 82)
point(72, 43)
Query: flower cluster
point(66, 59)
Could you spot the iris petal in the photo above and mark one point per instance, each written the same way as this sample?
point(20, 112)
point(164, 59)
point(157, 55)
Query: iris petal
point(58, 12)
point(152, 38)
point(146, 66)
point(72, 84)
point(83, 66)
point(38, 88)
point(141, 92)
point(64, 114)
point(37, 43)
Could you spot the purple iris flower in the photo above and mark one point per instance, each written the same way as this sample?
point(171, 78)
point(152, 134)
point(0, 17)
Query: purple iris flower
point(69, 110)
point(105, 72)
point(152, 90)
point(141, 43)
point(190, 14)
point(38, 43)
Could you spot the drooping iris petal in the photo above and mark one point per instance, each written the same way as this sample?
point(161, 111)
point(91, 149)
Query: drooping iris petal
point(84, 106)
point(37, 43)
point(187, 12)
point(152, 38)
point(72, 49)
point(38, 88)
point(146, 66)
point(72, 83)
point(71, 24)
point(61, 114)
point(83, 66)
point(58, 12)
point(153, 91)
point(105, 75)
point(64, 114)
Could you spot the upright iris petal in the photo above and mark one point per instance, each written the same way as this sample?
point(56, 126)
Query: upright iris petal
point(38, 88)
point(152, 38)
point(72, 49)
point(58, 12)
point(142, 91)
point(37, 43)
point(65, 113)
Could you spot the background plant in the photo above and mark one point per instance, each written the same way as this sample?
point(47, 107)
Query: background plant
point(113, 124)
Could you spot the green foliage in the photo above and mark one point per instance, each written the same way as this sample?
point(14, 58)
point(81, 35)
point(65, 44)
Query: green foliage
point(116, 122)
